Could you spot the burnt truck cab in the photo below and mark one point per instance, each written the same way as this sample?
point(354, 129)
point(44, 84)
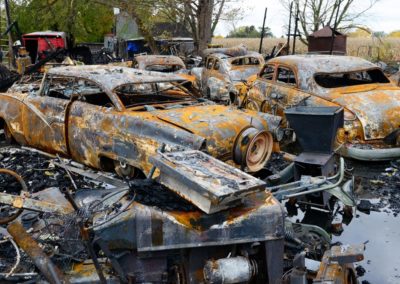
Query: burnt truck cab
point(38, 44)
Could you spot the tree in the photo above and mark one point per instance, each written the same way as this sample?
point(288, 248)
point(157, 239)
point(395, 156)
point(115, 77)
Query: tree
point(84, 20)
point(199, 16)
point(249, 32)
point(315, 14)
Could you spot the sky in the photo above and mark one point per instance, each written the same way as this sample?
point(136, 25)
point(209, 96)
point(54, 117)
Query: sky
point(384, 16)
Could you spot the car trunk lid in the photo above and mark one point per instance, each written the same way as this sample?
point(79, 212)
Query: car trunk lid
point(377, 109)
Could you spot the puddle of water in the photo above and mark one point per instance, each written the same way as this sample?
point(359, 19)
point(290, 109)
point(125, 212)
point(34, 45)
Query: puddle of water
point(379, 230)
point(382, 255)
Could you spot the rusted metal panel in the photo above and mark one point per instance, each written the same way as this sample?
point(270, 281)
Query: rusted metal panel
point(204, 181)
point(52, 273)
point(321, 41)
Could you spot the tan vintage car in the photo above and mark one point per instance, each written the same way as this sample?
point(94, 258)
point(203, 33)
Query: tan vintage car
point(371, 102)
point(117, 117)
point(225, 72)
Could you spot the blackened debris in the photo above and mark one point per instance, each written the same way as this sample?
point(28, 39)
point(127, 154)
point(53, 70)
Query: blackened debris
point(37, 170)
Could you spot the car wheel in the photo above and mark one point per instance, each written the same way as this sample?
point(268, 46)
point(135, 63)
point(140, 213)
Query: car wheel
point(8, 138)
point(265, 107)
point(124, 170)
point(252, 105)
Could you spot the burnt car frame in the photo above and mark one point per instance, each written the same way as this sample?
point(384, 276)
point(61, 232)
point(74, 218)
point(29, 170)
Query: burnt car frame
point(371, 103)
point(116, 117)
point(225, 72)
point(159, 63)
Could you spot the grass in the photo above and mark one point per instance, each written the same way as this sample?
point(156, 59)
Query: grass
point(374, 49)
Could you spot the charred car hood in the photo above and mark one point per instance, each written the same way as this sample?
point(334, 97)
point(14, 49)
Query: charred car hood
point(378, 110)
point(219, 125)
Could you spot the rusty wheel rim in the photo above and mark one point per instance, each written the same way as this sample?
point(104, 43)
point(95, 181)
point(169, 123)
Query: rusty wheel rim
point(259, 151)
point(252, 105)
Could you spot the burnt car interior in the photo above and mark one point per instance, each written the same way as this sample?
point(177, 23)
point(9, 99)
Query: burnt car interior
point(268, 72)
point(83, 90)
point(347, 79)
point(164, 68)
point(132, 95)
point(287, 76)
point(249, 60)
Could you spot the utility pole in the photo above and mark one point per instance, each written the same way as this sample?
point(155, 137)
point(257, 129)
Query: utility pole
point(10, 39)
point(289, 28)
point(335, 25)
point(295, 28)
point(262, 31)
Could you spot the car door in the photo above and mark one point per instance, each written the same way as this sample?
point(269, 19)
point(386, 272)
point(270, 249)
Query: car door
point(258, 97)
point(218, 82)
point(284, 92)
point(92, 123)
point(45, 114)
point(206, 74)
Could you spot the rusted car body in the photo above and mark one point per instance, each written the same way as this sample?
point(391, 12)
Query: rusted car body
point(108, 117)
point(372, 104)
point(165, 64)
point(225, 71)
point(159, 63)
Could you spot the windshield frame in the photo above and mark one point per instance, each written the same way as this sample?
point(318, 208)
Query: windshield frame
point(350, 72)
point(185, 98)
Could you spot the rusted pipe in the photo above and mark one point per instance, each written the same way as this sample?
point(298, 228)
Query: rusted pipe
point(50, 271)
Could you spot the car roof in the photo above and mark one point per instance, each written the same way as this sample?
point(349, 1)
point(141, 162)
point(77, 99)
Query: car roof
point(111, 77)
point(323, 63)
point(225, 56)
point(159, 59)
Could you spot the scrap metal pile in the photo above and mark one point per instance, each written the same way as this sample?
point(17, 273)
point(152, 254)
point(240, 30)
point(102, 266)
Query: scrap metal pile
point(153, 173)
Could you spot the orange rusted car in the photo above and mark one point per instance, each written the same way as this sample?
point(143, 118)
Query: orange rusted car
point(159, 63)
point(370, 101)
point(117, 117)
point(225, 72)
point(166, 64)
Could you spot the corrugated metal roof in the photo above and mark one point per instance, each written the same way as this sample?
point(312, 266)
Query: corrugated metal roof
point(325, 32)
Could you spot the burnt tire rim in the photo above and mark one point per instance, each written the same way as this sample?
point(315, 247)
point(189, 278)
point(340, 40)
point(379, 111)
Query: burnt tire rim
point(259, 151)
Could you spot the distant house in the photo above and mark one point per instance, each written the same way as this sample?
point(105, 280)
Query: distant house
point(321, 41)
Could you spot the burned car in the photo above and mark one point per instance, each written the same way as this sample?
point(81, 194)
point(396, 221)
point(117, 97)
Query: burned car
point(371, 103)
point(116, 117)
point(225, 71)
point(159, 63)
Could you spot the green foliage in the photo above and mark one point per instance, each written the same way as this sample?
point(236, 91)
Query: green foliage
point(85, 20)
point(249, 32)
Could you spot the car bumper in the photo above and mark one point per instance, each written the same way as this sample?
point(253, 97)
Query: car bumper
point(362, 154)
